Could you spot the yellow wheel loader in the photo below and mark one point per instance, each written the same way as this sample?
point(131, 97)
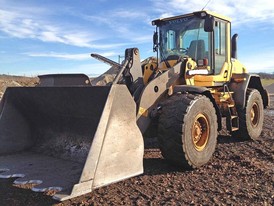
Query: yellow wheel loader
point(69, 136)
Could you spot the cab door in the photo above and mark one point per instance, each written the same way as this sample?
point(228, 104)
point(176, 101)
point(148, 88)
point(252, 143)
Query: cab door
point(221, 63)
point(221, 52)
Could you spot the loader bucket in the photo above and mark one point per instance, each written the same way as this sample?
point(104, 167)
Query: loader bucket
point(69, 139)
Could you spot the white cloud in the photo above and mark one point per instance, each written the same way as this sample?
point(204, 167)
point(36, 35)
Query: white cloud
point(84, 56)
point(129, 14)
point(49, 36)
point(29, 22)
point(28, 25)
point(165, 15)
point(241, 11)
point(130, 24)
point(21, 25)
point(61, 56)
point(92, 70)
point(143, 39)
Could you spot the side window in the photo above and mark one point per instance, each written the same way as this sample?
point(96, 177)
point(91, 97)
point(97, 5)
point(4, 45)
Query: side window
point(220, 45)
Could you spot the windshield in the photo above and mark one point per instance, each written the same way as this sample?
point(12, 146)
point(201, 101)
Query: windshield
point(184, 37)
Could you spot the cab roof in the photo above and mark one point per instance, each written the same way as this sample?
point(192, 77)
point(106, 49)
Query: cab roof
point(197, 13)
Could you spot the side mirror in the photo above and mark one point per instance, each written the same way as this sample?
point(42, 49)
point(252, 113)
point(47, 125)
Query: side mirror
point(209, 23)
point(155, 41)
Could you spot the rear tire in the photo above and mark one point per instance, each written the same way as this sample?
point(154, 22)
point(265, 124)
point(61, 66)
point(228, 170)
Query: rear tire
point(251, 117)
point(187, 130)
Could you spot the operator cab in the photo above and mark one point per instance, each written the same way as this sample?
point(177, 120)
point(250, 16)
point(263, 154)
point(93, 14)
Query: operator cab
point(201, 36)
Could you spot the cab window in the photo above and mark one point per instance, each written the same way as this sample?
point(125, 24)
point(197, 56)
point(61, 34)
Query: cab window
point(220, 45)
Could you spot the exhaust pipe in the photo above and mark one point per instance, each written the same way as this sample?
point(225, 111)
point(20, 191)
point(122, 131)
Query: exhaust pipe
point(234, 46)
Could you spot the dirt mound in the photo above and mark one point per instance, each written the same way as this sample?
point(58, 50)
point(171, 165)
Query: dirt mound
point(270, 88)
point(20, 81)
point(15, 81)
point(106, 77)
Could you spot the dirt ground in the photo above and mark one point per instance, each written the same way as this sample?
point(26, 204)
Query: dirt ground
point(240, 173)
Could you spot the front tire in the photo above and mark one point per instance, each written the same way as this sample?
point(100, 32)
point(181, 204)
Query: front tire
point(187, 130)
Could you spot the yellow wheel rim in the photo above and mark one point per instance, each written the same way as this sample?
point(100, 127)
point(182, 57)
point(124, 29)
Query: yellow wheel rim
point(200, 132)
point(255, 114)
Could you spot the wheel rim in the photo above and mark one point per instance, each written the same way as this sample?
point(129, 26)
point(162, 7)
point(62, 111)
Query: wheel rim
point(200, 132)
point(255, 114)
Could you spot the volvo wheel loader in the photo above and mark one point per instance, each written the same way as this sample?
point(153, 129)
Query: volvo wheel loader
point(67, 135)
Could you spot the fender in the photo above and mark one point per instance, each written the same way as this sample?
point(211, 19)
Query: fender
point(204, 91)
point(241, 82)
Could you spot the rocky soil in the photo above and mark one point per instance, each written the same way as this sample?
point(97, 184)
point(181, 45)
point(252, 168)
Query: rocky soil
point(15, 81)
point(240, 173)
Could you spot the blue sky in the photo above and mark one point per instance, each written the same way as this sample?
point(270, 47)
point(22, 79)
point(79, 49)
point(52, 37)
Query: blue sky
point(41, 37)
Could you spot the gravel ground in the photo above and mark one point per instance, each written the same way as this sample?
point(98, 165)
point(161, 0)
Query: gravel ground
point(240, 173)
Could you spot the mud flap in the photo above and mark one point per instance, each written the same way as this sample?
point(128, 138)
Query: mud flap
point(69, 139)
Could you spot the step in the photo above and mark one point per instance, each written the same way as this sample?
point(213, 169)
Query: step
point(231, 105)
point(233, 117)
point(233, 129)
point(224, 93)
